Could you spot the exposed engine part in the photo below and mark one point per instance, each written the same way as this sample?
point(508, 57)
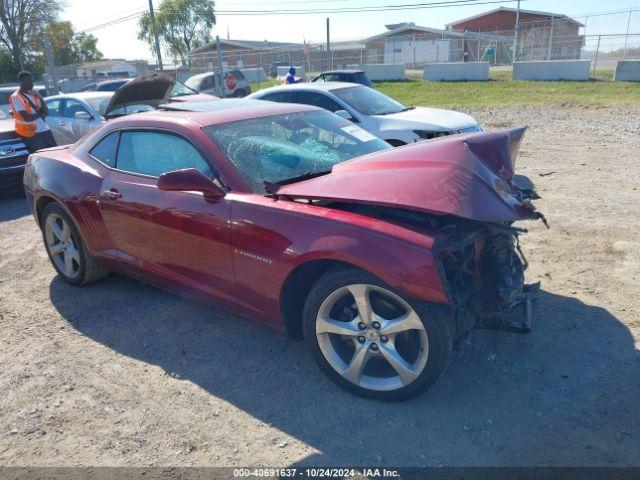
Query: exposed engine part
point(481, 264)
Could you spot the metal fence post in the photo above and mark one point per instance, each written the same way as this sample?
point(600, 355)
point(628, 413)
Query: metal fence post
point(626, 37)
point(595, 63)
point(220, 88)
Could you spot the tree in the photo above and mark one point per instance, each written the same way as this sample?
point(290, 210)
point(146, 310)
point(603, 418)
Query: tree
point(70, 47)
point(22, 22)
point(61, 38)
point(85, 48)
point(182, 25)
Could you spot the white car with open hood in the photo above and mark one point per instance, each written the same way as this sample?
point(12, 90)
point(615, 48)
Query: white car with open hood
point(374, 111)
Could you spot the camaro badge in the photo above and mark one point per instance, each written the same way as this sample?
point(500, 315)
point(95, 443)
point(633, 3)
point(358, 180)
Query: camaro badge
point(253, 256)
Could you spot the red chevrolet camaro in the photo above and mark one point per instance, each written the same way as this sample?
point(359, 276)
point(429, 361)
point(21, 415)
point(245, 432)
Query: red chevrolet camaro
point(380, 258)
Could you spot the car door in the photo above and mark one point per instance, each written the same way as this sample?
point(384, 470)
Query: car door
point(53, 120)
point(175, 237)
point(77, 119)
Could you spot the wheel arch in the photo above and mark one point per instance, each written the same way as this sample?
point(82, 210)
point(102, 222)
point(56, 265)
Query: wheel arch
point(296, 288)
point(41, 204)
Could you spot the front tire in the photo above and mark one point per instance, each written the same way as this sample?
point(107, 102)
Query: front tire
point(370, 340)
point(66, 248)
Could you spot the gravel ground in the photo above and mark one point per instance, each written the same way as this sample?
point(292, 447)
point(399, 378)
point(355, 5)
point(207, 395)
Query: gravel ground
point(120, 373)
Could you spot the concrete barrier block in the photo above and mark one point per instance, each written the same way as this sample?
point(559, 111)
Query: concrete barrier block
point(453, 72)
point(378, 72)
point(282, 72)
point(627, 71)
point(254, 75)
point(576, 70)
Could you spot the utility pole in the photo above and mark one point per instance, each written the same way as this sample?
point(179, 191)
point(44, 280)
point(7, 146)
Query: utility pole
point(516, 32)
point(626, 37)
point(155, 34)
point(51, 68)
point(329, 46)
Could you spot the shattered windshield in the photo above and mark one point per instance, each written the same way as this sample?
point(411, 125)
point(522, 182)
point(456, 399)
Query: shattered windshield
point(284, 147)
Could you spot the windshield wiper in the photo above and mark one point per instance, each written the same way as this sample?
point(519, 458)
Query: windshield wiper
point(272, 187)
point(391, 113)
point(302, 176)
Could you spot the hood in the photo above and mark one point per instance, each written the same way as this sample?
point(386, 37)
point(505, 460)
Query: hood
point(153, 90)
point(467, 175)
point(423, 118)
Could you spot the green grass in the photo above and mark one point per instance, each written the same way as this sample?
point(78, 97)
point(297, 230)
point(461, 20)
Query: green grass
point(502, 91)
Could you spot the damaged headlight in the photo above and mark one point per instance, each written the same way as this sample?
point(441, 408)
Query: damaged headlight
point(428, 135)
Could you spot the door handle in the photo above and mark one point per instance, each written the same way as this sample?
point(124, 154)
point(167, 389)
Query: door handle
point(63, 124)
point(112, 194)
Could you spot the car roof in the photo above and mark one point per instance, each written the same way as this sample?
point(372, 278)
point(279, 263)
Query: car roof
point(83, 95)
point(320, 86)
point(114, 80)
point(341, 71)
point(215, 113)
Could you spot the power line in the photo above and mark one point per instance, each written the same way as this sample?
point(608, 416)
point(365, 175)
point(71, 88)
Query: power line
point(379, 8)
point(362, 9)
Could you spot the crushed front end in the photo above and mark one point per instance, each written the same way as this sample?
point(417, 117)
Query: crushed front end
point(482, 268)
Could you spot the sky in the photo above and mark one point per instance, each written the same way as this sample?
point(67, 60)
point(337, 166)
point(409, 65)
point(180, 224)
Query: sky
point(120, 40)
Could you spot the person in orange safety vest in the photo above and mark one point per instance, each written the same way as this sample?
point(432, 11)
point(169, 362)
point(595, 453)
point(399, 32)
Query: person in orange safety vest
point(29, 112)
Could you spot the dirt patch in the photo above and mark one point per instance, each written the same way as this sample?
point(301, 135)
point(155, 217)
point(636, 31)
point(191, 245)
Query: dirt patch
point(120, 373)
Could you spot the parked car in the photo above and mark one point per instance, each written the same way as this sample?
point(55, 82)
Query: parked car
point(374, 111)
point(348, 76)
point(380, 258)
point(106, 85)
point(5, 93)
point(235, 84)
point(13, 154)
point(72, 115)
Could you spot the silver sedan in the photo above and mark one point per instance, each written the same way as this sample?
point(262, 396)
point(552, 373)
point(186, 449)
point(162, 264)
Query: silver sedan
point(74, 114)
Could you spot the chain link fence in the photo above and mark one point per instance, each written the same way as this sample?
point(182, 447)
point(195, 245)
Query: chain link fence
point(553, 40)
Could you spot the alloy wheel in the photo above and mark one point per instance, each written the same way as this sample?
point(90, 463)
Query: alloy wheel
point(62, 246)
point(372, 337)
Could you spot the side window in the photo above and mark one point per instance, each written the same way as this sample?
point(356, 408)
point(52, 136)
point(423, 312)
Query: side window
point(318, 100)
point(334, 77)
point(282, 97)
point(72, 107)
point(105, 149)
point(320, 78)
point(155, 153)
point(54, 107)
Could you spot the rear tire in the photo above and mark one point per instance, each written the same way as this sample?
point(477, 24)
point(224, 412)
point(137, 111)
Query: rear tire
point(348, 342)
point(66, 248)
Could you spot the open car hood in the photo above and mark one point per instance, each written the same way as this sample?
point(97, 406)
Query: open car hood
point(468, 175)
point(153, 90)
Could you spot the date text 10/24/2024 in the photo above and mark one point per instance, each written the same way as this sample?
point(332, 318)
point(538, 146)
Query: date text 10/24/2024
point(316, 472)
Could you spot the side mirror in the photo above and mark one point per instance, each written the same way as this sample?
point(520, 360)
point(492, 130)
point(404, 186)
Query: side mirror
point(83, 116)
point(344, 114)
point(189, 180)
